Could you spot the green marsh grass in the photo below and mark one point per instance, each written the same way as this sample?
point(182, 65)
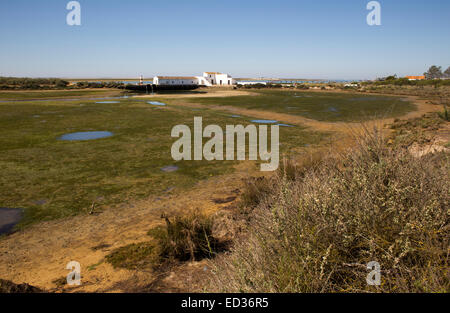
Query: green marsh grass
point(53, 179)
point(321, 106)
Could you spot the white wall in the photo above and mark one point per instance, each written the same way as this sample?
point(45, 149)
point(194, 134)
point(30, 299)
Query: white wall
point(175, 82)
point(219, 79)
point(206, 80)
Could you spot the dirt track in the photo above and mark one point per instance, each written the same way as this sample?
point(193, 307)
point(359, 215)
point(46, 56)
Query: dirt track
point(39, 254)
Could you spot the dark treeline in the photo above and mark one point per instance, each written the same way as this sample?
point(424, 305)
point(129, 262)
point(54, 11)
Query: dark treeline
point(277, 86)
point(111, 84)
point(259, 86)
point(393, 80)
point(435, 76)
point(19, 83)
point(15, 83)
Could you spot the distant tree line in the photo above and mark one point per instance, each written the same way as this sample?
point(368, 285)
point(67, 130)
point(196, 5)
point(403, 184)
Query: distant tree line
point(111, 84)
point(32, 83)
point(271, 85)
point(433, 77)
point(435, 72)
point(19, 83)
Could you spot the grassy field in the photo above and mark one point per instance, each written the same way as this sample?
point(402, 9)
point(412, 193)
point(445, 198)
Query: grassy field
point(323, 106)
point(58, 94)
point(52, 179)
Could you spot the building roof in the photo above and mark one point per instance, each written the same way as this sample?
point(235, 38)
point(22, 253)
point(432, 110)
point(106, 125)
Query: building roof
point(176, 77)
point(415, 77)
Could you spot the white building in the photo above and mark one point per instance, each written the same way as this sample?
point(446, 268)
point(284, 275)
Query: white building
point(251, 83)
point(208, 79)
point(218, 79)
point(175, 80)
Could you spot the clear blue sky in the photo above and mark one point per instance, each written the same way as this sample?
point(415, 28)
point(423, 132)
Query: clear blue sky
point(245, 38)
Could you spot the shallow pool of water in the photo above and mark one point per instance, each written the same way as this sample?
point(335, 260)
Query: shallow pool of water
point(333, 109)
point(8, 219)
point(156, 103)
point(107, 102)
point(285, 125)
point(86, 135)
point(264, 121)
point(170, 168)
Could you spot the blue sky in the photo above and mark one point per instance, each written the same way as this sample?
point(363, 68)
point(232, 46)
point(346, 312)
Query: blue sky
point(245, 38)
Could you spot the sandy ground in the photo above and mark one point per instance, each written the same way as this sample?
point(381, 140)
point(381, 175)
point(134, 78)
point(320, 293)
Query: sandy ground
point(39, 254)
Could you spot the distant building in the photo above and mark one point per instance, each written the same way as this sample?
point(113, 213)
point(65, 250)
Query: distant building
point(218, 79)
point(208, 79)
point(175, 80)
point(251, 83)
point(415, 77)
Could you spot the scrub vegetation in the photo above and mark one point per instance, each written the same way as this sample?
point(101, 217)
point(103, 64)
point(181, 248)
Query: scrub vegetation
point(315, 227)
point(57, 94)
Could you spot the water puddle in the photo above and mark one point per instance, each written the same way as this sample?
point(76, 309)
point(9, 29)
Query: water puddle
point(333, 109)
point(235, 116)
point(40, 202)
point(156, 103)
point(8, 219)
point(264, 121)
point(86, 135)
point(285, 125)
point(170, 168)
point(107, 102)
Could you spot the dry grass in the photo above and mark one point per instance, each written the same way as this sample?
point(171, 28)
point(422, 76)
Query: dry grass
point(316, 226)
point(183, 238)
point(186, 237)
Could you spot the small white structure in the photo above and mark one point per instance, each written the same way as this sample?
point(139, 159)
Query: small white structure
point(208, 79)
point(175, 80)
point(251, 83)
point(218, 79)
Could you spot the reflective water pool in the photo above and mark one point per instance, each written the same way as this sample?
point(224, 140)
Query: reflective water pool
point(156, 103)
point(86, 135)
point(333, 109)
point(170, 168)
point(8, 219)
point(264, 121)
